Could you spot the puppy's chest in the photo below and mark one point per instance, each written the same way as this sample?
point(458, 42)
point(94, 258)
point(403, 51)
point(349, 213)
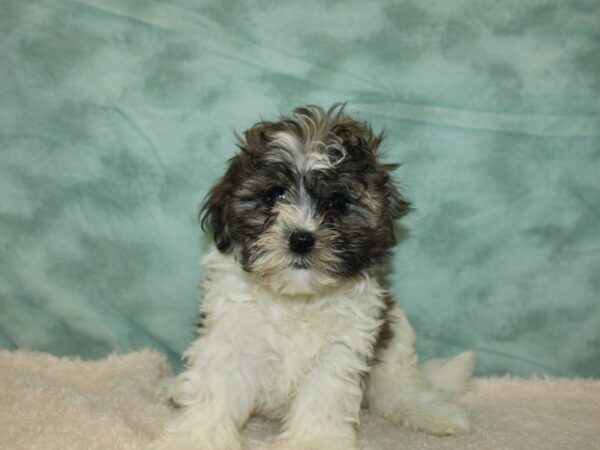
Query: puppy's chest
point(297, 336)
point(304, 331)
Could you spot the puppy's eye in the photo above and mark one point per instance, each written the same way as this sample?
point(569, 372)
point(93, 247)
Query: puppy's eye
point(339, 203)
point(274, 194)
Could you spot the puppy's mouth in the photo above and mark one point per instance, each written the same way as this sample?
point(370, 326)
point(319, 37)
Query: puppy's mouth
point(301, 264)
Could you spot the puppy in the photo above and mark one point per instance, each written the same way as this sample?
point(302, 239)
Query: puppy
point(296, 326)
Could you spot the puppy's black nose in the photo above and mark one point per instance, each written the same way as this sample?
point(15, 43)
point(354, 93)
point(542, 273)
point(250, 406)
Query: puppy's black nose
point(302, 241)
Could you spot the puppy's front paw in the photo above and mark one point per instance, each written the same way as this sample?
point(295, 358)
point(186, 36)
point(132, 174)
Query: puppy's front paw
point(315, 443)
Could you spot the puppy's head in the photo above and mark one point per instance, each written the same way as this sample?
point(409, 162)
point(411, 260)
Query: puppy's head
point(306, 204)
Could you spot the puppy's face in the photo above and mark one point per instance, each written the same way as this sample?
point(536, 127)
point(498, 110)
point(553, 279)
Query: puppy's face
point(306, 204)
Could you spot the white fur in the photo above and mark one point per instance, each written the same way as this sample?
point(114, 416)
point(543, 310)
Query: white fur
point(314, 154)
point(415, 397)
point(301, 359)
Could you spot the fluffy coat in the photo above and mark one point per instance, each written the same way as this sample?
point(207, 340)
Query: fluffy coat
point(299, 329)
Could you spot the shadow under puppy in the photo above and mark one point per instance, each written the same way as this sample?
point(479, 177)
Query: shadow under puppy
point(296, 326)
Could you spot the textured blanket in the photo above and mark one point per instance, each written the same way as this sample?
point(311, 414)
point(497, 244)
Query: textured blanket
point(50, 403)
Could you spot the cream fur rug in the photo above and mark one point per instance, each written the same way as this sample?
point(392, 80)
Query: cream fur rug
point(50, 403)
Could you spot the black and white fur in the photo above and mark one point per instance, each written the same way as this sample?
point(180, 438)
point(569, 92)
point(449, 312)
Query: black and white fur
point(296, 326)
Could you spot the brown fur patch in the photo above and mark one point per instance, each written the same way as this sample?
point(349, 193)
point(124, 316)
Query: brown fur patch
point(386, 333)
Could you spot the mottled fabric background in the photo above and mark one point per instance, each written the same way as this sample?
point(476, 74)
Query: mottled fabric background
point(117, 116)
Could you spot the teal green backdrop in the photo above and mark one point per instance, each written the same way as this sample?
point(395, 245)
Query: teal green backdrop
point(117, 116)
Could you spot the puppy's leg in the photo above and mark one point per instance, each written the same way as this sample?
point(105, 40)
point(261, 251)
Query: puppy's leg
point(324, 413)
point(403, 393)
point(216, 399)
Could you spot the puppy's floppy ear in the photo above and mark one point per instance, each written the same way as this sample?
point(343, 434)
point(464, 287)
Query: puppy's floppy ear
point(359, 139)
point(397, 205)
point(217, 210)
point(217, 207)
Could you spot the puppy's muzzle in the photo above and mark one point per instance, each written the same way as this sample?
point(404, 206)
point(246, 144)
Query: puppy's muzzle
point(302, 241)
